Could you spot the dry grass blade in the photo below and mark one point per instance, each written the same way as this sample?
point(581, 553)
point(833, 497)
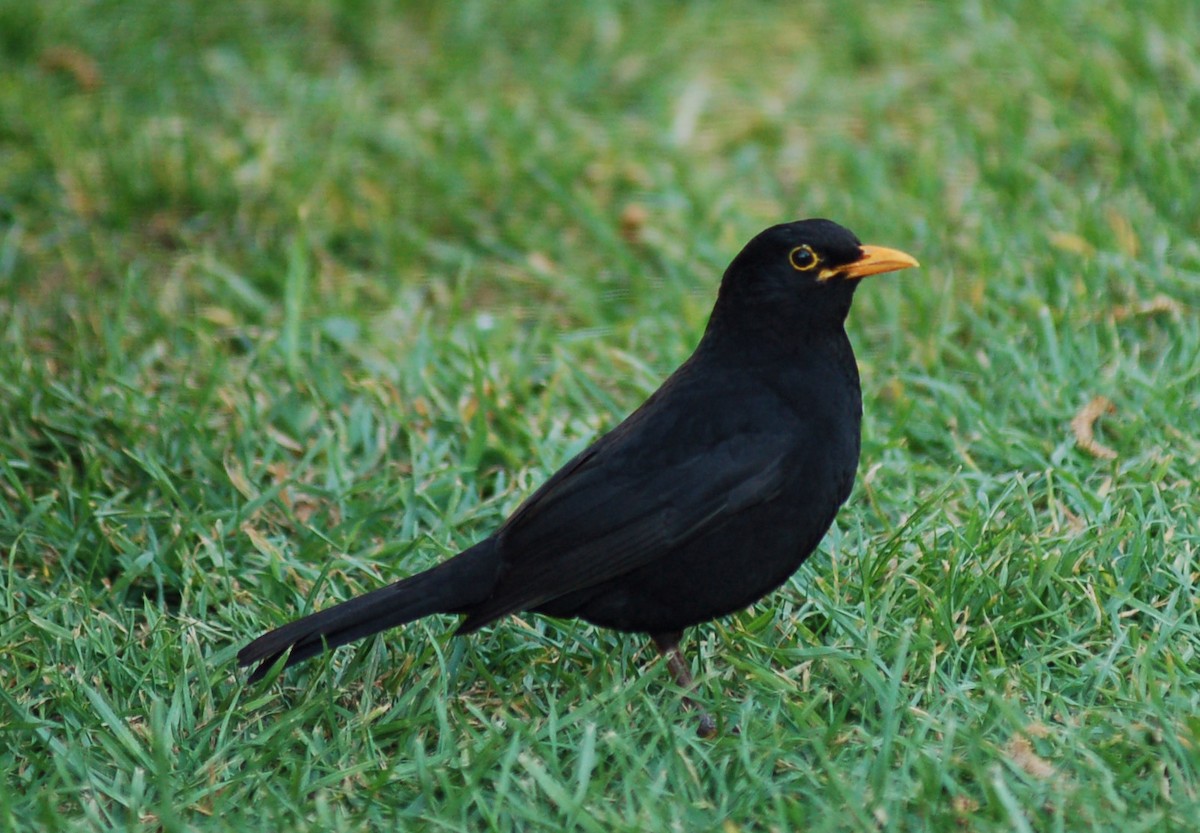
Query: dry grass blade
point(1083, 425)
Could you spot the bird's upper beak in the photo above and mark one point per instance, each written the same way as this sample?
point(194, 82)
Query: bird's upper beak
point(876, 260)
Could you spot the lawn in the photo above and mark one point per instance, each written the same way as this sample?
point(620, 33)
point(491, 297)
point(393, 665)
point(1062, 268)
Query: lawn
point(300, 297)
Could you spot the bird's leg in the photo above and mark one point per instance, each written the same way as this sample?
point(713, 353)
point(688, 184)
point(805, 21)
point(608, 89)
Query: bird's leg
point(668, 646)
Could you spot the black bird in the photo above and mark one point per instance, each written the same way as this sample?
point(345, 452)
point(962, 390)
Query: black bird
point(705, 499)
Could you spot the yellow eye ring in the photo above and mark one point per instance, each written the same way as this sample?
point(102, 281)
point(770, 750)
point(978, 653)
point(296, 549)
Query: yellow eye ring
point(803, 258)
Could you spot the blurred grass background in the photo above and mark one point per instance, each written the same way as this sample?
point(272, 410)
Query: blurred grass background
point(299, 297)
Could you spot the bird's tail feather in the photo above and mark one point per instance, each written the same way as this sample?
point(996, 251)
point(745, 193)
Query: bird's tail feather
point(451, 587)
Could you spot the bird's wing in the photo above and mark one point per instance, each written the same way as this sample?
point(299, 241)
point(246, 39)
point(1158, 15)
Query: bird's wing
point(612, 510)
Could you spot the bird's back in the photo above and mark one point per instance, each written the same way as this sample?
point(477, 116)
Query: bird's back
point(728, 476)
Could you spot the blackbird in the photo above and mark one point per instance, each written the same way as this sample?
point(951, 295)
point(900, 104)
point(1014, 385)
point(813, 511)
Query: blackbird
point(705, 499)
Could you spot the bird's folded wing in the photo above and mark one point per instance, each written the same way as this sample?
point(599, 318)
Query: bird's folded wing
point(607, 515)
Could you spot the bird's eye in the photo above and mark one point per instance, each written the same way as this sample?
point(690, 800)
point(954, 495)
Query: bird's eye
point(803, 258)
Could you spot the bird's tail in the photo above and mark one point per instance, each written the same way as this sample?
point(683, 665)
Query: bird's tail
point(450, 587)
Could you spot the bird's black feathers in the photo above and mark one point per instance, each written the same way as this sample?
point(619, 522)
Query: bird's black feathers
point(703, 500)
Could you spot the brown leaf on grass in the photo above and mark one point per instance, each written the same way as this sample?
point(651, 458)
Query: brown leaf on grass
point(1071, 243)
point(1158, 305)
point(1036, 730)
point(633, 220)
point(1084, 427)
point(302, 506)
point(1020, 751)
point(75, 63)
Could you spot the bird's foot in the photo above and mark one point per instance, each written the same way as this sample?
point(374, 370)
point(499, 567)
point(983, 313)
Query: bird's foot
point(707, 727)
point(668, 646)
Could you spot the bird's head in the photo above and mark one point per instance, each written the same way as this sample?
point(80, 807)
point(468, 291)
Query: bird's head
point(801, 274)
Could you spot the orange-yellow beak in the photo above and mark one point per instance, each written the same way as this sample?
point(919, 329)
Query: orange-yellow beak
point(876, 260)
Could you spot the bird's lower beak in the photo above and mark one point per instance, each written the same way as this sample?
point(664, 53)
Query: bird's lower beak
point(876, 260)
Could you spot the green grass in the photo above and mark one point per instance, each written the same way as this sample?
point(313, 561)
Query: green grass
point(296, 298)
